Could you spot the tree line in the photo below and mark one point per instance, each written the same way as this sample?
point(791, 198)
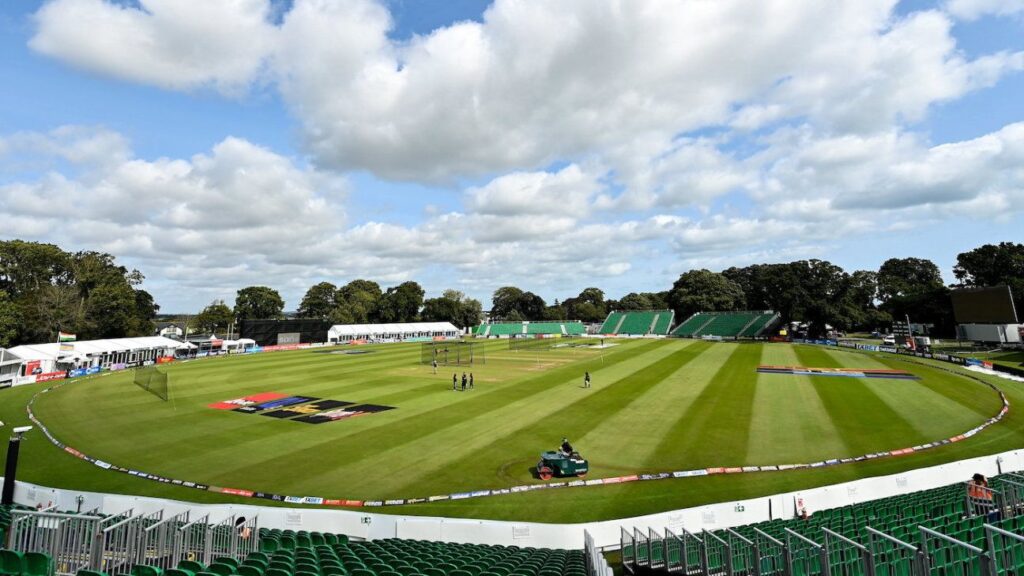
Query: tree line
point(44, 289)
point(358, 302)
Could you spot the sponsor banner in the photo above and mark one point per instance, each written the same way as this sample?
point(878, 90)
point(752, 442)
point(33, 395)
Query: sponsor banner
point(689, 473)
point(306, 409)
point(165, 359)
point(733, 470)
point(373, 503)
point(294, 499)
point(315, 500)
point(398, 502)
point(237, 492)
point(343, 413)
point(715, 470)
point(246, 401)
point(48, 376)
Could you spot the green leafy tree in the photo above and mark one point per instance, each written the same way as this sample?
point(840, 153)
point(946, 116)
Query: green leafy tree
point(356, 302)
point(704, 291)
point(320, 300)
point(10, 320)
point(110, 310)
point(258, 302)
point(214, 318)
point(145, 312)
point(991, 265)
point(400, 303)
point(509, 299)
point(899, 277)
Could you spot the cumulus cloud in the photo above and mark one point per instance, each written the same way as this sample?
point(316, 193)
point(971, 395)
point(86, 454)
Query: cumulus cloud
point(166, 43)
point(535, 82)
point(974, 9)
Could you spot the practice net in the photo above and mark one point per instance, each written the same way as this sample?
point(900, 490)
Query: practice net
point(153, 380)
point(449, 353)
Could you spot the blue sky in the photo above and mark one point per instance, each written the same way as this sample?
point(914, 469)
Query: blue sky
point(552, 146)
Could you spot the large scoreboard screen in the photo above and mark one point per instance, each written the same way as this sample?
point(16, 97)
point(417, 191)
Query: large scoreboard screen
point(992, 305)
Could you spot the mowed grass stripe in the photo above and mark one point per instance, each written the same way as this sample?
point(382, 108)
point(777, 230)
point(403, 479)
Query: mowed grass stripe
point(913, 398)
point(789, 423)
point(473, 441)
point(402, 426)
point(714, 430)
point(969, 394)
point(523, 442)
point(657, 409)
point(865, 422)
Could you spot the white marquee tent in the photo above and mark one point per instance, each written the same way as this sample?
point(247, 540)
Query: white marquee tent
point(88, 353)
point(392, 332)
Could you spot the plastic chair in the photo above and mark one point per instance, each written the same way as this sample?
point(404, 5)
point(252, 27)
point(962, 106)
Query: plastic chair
point(220, 569)
point(38, 564)
point(11, 562)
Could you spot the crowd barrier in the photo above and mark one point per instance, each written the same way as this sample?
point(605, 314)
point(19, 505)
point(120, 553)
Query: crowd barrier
point(368, 524)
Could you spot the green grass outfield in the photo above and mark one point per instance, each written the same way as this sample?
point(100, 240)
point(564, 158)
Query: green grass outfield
point(655, 405)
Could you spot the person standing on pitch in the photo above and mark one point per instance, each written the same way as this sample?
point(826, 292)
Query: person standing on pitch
point(586, 379)
point(435, 365)
point(455, 382)
point(463, 381)
point(470, 380)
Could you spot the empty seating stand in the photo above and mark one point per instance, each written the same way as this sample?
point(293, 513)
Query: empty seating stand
point(291, 553)
point(726, 324)
point(930, 533)
point(529, 329)
point(638, 323)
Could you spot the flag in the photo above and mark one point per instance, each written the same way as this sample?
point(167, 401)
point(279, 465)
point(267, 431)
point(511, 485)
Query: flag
point(65, 337)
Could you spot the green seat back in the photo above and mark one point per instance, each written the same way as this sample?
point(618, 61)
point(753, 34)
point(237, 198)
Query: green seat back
point(38, 564)
point(11, 562)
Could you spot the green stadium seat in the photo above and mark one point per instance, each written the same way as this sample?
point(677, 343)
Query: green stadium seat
point(216, 568)
point(177, 572)
point(11, 563)
point(38, 564)
point(247, 570)
point(143, 570)
point(227, 560)
point(191, 566)
point(90, 573)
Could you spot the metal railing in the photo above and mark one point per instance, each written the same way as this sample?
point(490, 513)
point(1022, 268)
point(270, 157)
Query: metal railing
point(804, 557)
point(66, 538)
point(1006, 549)
point(847, 557)
point(947, 555)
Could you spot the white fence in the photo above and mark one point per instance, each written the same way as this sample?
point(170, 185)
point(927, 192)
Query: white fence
point(605, 534)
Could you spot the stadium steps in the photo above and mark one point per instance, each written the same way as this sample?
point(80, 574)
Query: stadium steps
point(703, 325)
point(618, 326)
point(749, 324)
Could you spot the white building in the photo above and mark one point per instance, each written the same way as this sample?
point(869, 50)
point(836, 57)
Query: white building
point(49, 357)
point(10, 367)
point(404, 332)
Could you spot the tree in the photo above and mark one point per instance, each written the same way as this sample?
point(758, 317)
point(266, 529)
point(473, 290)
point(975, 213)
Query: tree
point(258, 302)
point(588, 306)
point(10, 320)
point(145, 311)
point(525, 305)
point(110, 310)
point(991, 265)
point(704, 291)
point(504, 301)
point(400, 303)
point(634, 301)
point(453, 306)
point(355, 302)
point(214, 318)
point(906, 277)
point(320, 300)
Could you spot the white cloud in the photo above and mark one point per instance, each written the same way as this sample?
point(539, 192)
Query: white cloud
point(534, 82)
point(974, 9)
point(568, 192)
point(167, 43)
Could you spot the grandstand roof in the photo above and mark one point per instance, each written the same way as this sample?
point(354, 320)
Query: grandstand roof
point(51, 350)
point(400, 328)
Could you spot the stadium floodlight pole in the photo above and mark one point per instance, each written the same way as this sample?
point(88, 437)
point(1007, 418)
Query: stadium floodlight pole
point(10, 471)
